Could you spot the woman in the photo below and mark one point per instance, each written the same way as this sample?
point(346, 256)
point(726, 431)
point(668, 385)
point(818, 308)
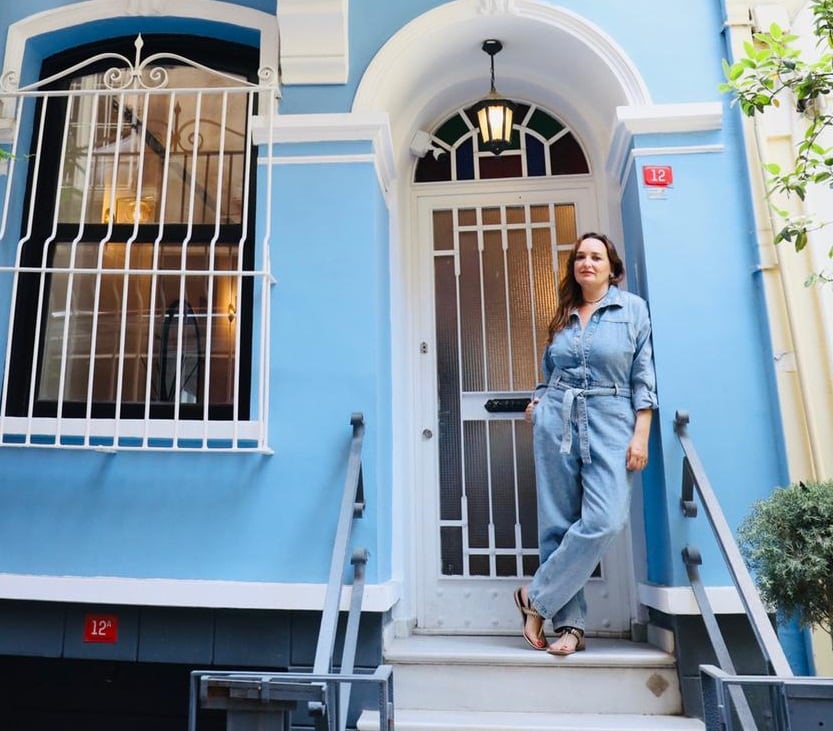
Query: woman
point(591, 420)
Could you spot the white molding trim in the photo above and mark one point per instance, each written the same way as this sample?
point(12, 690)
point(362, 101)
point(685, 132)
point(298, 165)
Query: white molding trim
point(378, 81)
point(315, 159)
point(89, 11)
point(314, 41)
point(677, 600)
point(612, 54)
point(681, 150)
point(659, 119)
point(187, 592)
point(373, 127)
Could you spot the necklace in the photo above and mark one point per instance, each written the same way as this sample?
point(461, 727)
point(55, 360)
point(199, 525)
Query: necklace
point(593, 302)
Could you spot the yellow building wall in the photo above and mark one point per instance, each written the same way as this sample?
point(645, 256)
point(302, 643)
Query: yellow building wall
point(801, 318)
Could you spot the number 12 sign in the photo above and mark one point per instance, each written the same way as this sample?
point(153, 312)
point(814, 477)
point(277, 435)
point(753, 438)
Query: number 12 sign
point(657, 176)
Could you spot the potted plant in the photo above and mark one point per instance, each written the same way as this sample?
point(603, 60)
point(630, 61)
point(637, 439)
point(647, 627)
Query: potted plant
point(787, 541)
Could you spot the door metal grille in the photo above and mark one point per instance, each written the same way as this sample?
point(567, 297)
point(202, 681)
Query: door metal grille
point(495, 290)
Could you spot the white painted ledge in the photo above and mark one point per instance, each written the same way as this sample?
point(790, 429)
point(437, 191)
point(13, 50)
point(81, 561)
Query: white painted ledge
point(669, 118)
point(187, 592)
point(373, 127)
point(678, 600)
point(659, 119)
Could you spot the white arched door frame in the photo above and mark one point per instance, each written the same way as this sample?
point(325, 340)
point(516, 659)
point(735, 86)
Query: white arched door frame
point(417, 90)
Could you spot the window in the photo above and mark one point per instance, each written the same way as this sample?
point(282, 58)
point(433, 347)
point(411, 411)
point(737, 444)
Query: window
point(133, 290)
point(541, 146)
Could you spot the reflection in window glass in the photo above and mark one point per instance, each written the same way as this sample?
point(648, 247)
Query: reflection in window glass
point(120, 145)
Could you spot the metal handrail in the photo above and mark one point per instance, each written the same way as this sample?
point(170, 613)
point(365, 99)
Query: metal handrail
point(242, 693)
point(323, 690)
point(797, 703)
point(695, 479)
point(352, 508)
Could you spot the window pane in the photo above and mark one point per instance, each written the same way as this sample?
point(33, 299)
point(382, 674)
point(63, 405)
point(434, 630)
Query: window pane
point(448, 376)
point(100, 310)
point(506, 165)
point(525, 348)
point(567, 158)
point(495, 315)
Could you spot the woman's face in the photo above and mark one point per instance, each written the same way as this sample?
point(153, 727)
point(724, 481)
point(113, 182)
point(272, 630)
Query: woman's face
point(592, 266)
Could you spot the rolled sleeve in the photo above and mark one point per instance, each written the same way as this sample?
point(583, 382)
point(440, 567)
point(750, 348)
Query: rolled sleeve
point(643, 375)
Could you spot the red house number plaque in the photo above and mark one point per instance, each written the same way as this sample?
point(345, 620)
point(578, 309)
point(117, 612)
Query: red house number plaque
point(101, 628)
point(657, 176)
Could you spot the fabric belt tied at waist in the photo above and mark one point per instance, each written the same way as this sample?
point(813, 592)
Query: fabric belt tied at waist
point(577, 396)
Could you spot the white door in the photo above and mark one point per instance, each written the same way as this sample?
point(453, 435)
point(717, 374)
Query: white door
point(490, 263)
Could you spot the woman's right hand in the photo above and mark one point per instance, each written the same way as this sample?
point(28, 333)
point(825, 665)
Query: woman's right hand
point(530, 407)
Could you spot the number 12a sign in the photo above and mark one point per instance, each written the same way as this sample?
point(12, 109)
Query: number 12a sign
point(657, 176)
point(102, 628)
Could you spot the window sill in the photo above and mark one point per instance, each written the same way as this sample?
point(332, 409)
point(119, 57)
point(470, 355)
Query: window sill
point(114, 435)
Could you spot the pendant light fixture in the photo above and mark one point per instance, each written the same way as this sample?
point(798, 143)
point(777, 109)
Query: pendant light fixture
point(494, 113)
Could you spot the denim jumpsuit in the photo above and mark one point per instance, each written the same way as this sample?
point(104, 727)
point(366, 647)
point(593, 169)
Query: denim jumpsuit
point(595, 381)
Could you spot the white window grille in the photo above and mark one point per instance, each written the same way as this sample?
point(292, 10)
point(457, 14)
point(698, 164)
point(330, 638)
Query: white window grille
point(138, 314)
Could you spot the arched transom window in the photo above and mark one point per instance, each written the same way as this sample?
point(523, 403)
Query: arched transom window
point(541, 146)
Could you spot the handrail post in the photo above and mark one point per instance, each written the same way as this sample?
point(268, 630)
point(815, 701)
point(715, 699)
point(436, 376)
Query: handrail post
point(351, 633)
point(693, 559)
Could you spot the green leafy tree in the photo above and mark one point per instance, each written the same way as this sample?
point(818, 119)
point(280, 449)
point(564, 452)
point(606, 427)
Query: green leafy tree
point(787, 540)
point(771, 71)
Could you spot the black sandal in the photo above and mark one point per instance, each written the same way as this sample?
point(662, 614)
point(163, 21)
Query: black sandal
point(573, 631)
point(539, 642)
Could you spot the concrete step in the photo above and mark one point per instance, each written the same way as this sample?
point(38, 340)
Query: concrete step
point(495, 674)
point(498, 721)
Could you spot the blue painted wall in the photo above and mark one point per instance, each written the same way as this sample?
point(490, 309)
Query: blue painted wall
point(712, 353)
point(654, 494)
point(686, 69)
point(244, 517)
point(259, 518)
point(238, 517)
point(678, 53)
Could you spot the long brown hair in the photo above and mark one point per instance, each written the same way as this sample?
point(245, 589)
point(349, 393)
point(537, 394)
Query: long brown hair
point(569, 290)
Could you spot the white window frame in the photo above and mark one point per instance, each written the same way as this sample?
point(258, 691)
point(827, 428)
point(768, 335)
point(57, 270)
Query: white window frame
point(123, 433)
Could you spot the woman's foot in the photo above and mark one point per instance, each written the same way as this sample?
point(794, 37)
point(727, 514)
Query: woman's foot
point(567, 641)
point(532, 622)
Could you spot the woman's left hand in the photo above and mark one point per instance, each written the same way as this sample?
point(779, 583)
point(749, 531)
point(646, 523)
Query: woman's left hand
point(637, 455)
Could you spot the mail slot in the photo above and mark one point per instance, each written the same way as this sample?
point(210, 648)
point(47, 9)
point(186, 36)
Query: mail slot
point(506, 405)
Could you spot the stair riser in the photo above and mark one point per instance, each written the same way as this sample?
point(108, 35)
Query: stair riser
point(552, 689)
point(536, 722)
point(488, 727)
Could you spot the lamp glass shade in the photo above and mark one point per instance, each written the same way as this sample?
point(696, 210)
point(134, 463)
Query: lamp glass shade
point(494, 119)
